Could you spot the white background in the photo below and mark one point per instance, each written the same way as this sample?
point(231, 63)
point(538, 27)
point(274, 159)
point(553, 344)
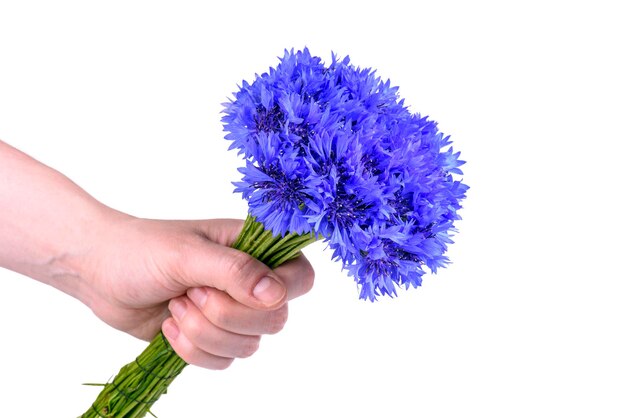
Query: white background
point(124, 98)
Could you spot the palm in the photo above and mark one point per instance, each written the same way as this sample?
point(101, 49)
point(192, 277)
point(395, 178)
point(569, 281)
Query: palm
point(133, 287)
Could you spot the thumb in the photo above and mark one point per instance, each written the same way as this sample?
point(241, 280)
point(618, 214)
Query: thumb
point(243, 277)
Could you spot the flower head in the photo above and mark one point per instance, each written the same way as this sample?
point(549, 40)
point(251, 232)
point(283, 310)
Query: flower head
point(333, 150)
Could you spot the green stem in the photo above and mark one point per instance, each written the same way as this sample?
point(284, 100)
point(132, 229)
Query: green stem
point(139, 384)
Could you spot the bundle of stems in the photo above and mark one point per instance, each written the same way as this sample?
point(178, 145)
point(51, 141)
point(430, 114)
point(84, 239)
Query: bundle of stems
point(140, 383)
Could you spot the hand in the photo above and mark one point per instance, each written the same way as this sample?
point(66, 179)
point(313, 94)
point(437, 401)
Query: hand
point(221, 300)
point(130, 270)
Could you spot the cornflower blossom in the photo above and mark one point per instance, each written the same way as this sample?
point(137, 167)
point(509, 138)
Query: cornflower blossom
point(333, 151)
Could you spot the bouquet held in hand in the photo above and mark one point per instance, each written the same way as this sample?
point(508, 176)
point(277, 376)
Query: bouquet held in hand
point(330, 153)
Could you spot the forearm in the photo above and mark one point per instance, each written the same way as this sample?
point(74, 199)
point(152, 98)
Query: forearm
point(47, 222)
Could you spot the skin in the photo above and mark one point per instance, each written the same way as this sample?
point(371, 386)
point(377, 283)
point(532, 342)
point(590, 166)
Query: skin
point(213, 303)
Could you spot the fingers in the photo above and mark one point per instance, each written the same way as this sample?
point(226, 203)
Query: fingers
point(246, 279)
point(211, 262)
point(232, 299)
point(297, 276)
point(189, 352)
point(224, 312)
point(208, 337)
point(210, 329)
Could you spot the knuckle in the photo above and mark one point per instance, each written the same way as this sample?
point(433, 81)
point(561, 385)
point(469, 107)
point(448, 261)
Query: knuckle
point(308, 278)
point(185, 352)
point(240, 263)
point(250, 346)
point(193, 330)
point(278, 319)
point(240, 266)
point(221, 363)
point(219, 314)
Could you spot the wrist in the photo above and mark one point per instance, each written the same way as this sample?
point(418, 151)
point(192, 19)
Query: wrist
point(68, 267)
point(58, 255)
point(48, 224)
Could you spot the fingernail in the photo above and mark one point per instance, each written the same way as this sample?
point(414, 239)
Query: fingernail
point(198, 295)
point(268, 290)
point(178, 308)
point(171, 331)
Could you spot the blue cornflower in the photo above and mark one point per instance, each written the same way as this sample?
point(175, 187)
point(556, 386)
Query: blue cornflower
point(334, 151)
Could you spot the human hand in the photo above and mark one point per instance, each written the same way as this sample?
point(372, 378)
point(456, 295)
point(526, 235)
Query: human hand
point(130, 270)
point(221, 300)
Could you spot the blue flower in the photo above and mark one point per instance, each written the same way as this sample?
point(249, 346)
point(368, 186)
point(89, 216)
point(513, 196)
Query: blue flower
point(333, 150)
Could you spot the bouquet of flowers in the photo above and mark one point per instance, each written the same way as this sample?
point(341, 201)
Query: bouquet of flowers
point(331, 153)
